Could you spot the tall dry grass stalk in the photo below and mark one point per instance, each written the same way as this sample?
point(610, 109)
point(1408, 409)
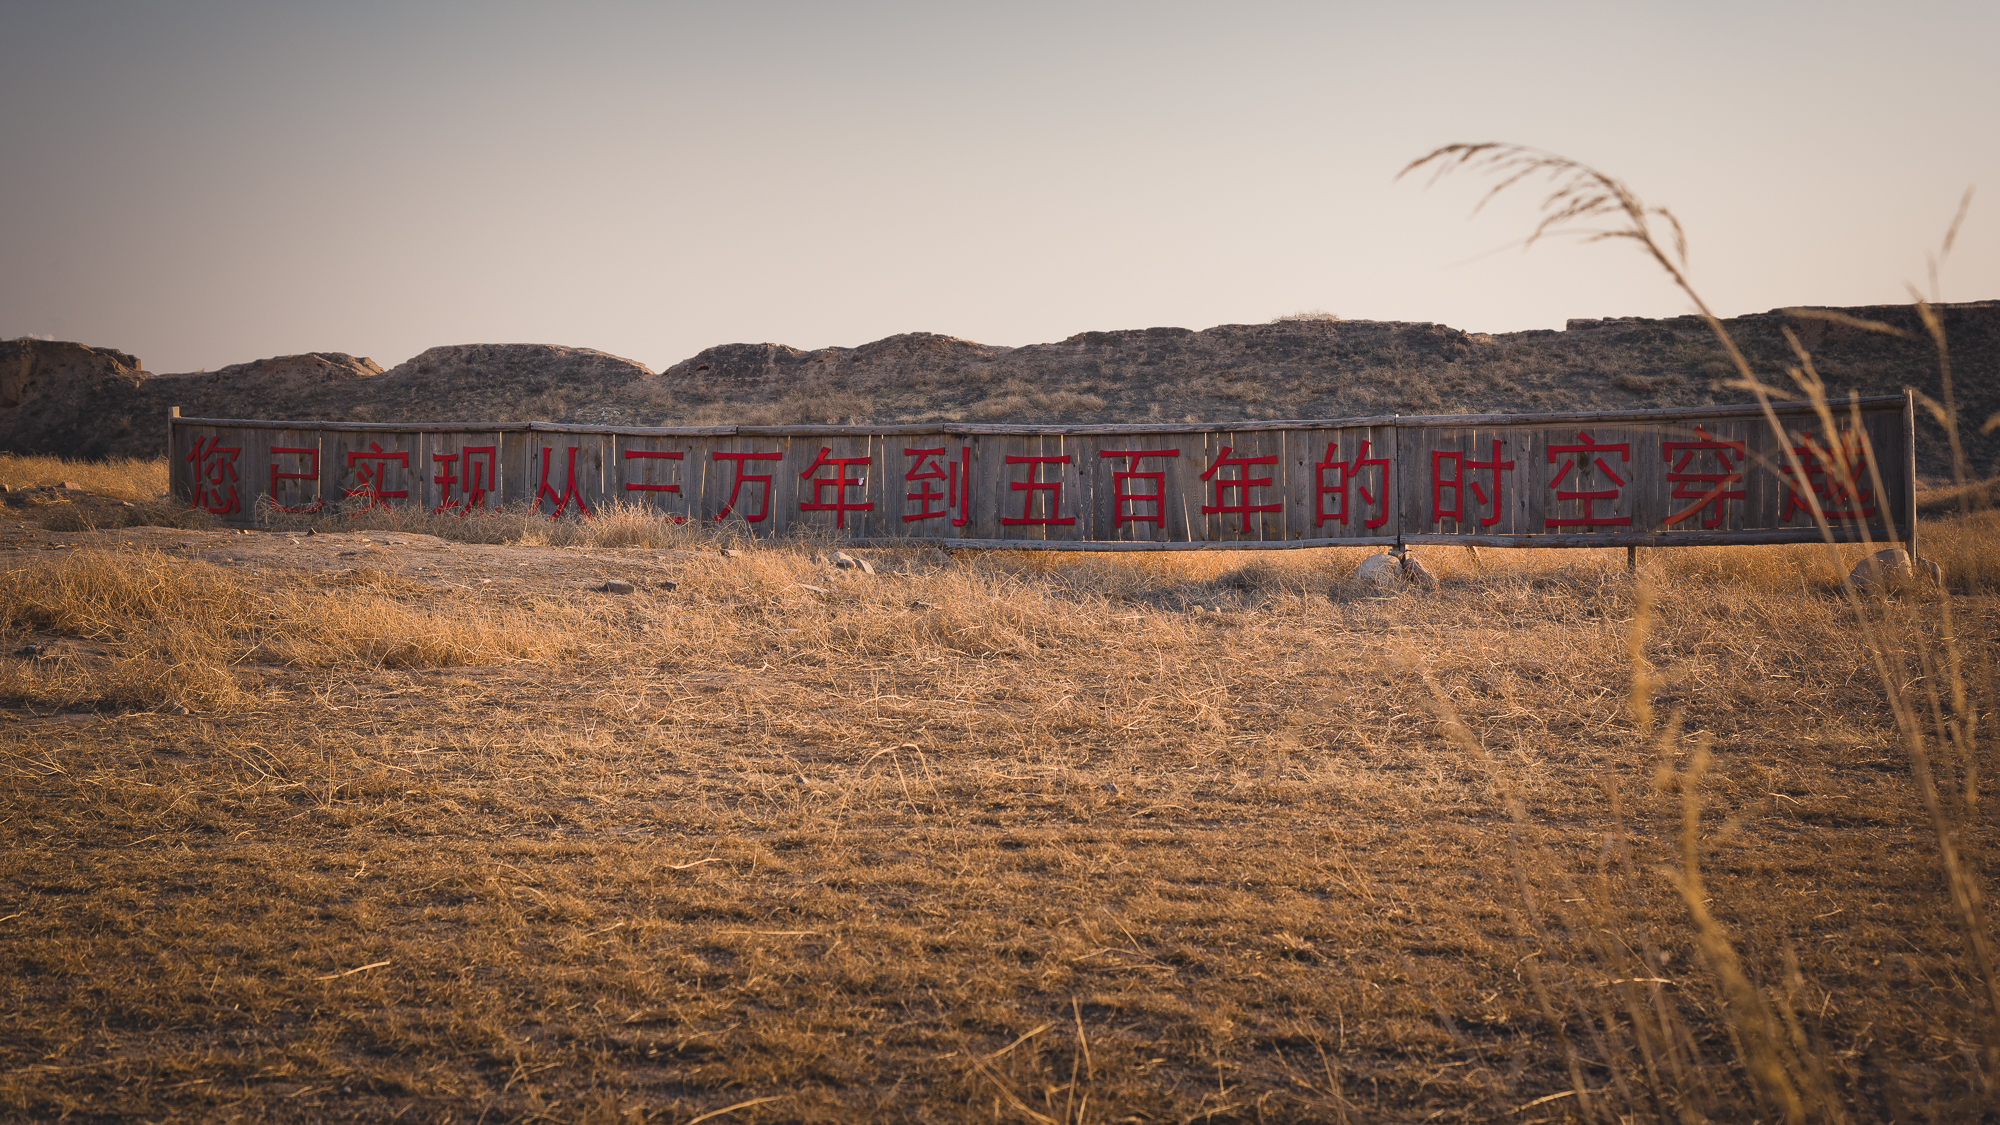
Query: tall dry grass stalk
point(1923, 676)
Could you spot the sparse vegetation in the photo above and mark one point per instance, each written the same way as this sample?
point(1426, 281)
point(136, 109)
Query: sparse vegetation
point(423, 829)
point(124, 478)
point(669, 852)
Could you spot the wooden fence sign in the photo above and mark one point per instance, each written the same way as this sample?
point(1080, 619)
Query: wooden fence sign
point(1695, 476)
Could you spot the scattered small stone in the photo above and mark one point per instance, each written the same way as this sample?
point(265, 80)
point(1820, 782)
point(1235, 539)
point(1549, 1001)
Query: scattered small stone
point(128, 504)
point(38, 650)
point(615, 586)
point(70, 486)
point(1110, 788)
point(922, 605)
point(814, 589)
point(667, 584)
point(931, 556)
point(845, 561)
point(731, 553)
point(311, 531)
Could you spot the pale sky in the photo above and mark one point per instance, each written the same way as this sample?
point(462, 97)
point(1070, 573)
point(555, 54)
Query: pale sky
point(208, 183)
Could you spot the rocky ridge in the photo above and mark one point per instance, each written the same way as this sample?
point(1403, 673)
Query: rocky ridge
point(81, 401)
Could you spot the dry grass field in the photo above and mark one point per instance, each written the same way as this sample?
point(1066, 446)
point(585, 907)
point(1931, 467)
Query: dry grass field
point(385, 824)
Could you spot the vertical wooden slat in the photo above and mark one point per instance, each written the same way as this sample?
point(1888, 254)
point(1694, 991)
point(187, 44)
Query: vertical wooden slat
point(820, 502)
point(1906, 431)
point(462, 472)
point(364, 469)
point(731, 491)
point(642, 471)
point(285, 471)
point(217, 470)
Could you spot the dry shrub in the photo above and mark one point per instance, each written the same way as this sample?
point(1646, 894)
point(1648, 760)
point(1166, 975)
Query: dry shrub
point(344, 627)
point(168, 631)
point(125, 478)
point(615, 523)
point(623, 524)
point(103, 595)
point(1016, 400)
point(1965, 549)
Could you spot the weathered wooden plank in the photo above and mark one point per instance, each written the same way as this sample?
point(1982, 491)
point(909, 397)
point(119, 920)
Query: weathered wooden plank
point(869, 430)
point(634, 431)
point(830, 476)
point(1682, 476)
point(365, 469)
point(461, 472)
point(562, 472)
point(744, 482)
point(1620, 538)
point(1241, 486)
point(1123, 546)
point(211, 471)
point(1035, 487)
point(279, 473)
point(653, 471)
point(1137, 484)
point(1341, 484)
point(1704, 476)
point(362, 427)
point(921, 483)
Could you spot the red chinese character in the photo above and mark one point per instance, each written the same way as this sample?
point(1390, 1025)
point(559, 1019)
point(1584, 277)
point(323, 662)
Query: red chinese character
point(1837, 487)
point(1120, 497)
point(652, 455)
point(479, 463)
point(569, 491)
point(926, 470)
point(214, 476)
point(1711, 490)
point(1458, 485)
point(1032, 486)
point(371, 472)
point(743, 478)
point(311, 474)
point(1346, 473)
point(1591, 455)
point(840, 482)
point(1242, 482)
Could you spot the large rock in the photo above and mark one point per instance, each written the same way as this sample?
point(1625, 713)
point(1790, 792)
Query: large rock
point(1380, 572)
point(1894, 572)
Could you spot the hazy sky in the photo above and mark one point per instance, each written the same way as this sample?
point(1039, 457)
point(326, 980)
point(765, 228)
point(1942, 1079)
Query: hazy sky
point(207, 183)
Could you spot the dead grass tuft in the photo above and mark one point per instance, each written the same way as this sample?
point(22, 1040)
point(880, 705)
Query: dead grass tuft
point(160, 631)
point(124, 478)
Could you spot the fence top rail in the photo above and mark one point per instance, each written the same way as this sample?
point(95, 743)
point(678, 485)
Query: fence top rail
point(1686, 413)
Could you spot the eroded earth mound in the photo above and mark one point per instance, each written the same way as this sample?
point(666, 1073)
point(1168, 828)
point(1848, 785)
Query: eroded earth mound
point(74, 400)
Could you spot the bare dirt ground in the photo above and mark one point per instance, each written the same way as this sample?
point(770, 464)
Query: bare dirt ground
point(382, 826)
